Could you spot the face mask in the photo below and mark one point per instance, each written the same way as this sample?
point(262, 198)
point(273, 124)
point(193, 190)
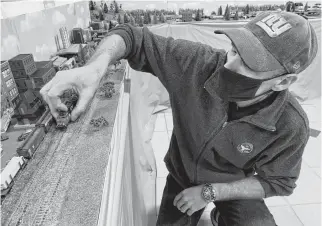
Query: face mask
point(237, 87)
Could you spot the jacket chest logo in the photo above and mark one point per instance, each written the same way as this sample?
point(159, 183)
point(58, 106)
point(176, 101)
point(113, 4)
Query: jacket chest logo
point(245, 148)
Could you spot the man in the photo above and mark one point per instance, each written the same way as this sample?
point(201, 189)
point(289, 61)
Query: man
point(238, 134)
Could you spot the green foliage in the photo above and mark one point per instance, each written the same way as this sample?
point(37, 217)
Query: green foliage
point(227, 13)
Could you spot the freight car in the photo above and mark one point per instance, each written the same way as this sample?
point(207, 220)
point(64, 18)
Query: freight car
point(28, 148)
point(9, 172)
point(45, 121)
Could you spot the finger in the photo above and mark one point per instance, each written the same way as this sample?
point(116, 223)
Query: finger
point(177, 198)
point(180, 203)
point(190, 212)
point(46, 87)
point(58, 106)
point(53, 98)
point(84, 99)
point(58, 90)
point(185, 207)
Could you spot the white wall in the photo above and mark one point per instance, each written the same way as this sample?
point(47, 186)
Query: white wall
point(16, 8)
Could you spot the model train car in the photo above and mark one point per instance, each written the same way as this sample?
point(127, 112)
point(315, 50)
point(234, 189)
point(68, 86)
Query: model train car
point(45, 122)
point(69, 98)
point(9, 172)
point(28, 148)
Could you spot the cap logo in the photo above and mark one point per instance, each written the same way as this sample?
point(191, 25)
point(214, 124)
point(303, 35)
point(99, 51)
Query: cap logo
point(274, 25)
point(297, 65)
point(245, 148)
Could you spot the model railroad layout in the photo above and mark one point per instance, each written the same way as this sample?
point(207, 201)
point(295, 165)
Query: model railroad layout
point(38, 196)
point(42, 126)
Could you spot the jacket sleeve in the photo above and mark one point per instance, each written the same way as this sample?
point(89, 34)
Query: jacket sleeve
point(279, 170)
point(166, 58)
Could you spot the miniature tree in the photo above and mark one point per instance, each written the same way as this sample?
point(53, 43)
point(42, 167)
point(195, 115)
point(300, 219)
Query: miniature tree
point(91, 5)
point(105, 8)
point(132, 20)
point(236, 16)
point(116, 7)
point(140, 21)
point(149, 18)
point(227, 13)
point(146, 18)
point(112, 7)
point(290, 6)
point(101, 16)
point(306, 7)
point(247, 9)
point(155, 21)
point(126, 19)
point(119, 19)
point(162, 18)
point(198, 16)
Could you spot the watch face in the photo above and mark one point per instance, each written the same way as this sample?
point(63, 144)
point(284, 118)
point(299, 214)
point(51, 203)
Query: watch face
point(208, 194)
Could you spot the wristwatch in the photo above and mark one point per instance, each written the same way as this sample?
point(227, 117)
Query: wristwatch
point(208, 193)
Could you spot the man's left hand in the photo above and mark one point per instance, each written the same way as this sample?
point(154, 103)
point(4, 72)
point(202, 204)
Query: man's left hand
point(190, 200)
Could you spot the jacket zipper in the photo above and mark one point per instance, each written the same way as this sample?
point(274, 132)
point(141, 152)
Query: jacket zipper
point(205, 145)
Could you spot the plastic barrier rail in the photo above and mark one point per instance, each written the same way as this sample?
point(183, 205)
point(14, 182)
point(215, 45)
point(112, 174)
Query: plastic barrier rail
point(10, 171)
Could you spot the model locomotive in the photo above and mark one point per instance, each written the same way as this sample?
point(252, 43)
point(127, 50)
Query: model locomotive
point(69, 98)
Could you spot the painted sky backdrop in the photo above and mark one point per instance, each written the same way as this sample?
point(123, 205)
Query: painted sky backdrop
point(19, 7)
point(207, 5)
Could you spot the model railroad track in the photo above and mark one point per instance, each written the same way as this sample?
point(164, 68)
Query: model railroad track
point(40, 203)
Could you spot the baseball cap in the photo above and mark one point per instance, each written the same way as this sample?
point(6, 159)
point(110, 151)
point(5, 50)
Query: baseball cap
point(275, 40)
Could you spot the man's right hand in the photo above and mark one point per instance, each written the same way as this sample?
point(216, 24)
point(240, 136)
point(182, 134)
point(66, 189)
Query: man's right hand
point(83, 80)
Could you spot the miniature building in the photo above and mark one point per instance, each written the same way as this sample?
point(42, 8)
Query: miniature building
point(5, 103)
point(186, 16)
point(23, 84)
point(87, 34)
point(58, 62)
point(97, 25)
point(22, 65)
point(9, 89)
point(58, 43)
point(41, 77)
point(64, 37)
point(78, 36)
point(30, 103)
